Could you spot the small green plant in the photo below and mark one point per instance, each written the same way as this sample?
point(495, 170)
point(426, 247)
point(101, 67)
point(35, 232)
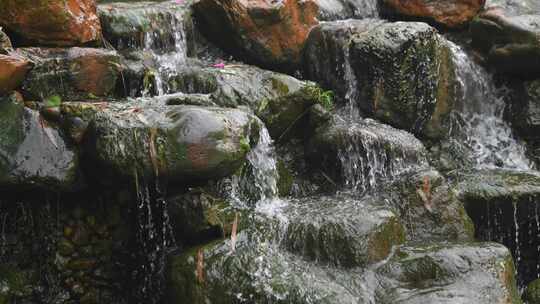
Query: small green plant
point(244, 145)
point(326, 99)
point(52, 101)
point(322, 97)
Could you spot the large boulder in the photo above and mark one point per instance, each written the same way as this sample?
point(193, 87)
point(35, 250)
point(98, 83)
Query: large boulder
point(270, 33)
point(511, 43)
point(405, 76)
point(326, 54)
point(73, 73)
point(400, 73)
point(176, 143)
point(448, 13)
point(154, 25)
point(33, 152)
point(13, 70)
point(52, 22)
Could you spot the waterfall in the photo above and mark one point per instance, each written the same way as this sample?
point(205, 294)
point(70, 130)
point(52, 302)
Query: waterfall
point(478, 126)
point(351, 95)
point(371, 153)
point(257, 183)
point(154, 239)
point(167, 55)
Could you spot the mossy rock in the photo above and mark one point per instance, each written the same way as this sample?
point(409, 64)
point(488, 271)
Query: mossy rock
point(429, 208)
point(472, 273)
point(73, 74)
point(341, 230)
point(364, 153)
point(405, 77)
point(182, 143)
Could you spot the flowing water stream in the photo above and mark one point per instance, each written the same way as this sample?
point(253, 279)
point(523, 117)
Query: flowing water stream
point(478, 126)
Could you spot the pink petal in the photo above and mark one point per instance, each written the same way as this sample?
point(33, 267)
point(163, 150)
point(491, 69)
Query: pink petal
point(220, 65)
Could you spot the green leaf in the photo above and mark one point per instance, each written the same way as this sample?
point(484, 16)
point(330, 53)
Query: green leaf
point(52, 101)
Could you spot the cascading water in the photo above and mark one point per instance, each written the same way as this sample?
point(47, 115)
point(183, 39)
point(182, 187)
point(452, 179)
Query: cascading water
point(258, 181)
point(153, 239)
point(477, 125)
point(167, 56)
point(373, 153)
point(351, 95)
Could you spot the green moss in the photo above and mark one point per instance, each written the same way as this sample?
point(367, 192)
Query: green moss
point(381, 243)
point(280, 86)
point(244, 145)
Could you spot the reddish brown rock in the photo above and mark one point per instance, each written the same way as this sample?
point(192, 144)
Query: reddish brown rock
point(51, 22)
point(13, 69)
point(267, 32)
point(72, 73)
point(448, 13)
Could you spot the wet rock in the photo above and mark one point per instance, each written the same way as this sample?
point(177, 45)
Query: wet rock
point(257, 272)
point(73, 73)
point(151, 25)
point(326, 54)
point(360, 155)
point(475, 273)
point(404, 75)
point(13, 70)
point(450, 14)
point(515, 7)
point(532, 293)
point(33, 151)
point(525, 109)
point(51, 23)
point(429, 208)
point(400, 73)
point(281, 101)
point(347, 9)
point(5, 43)
point(198, 216)
point(495, 185)
point(268, 33)
point(511, 43)
point(184, 143)
point(342, 230)
point(463, 273)
point(503, 205)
